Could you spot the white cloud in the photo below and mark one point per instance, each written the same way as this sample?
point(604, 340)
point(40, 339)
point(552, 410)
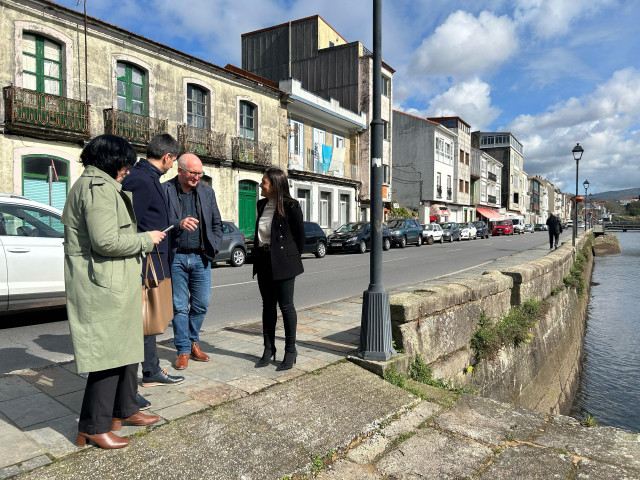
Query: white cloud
point(605, 123)
point(465, 45)
point(470, 101)
point(550, 18)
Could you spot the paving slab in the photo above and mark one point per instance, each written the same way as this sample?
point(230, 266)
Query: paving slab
point(57, 437)
point(433, 454)
point(15, 445)
point(13, 386)
point(489, 421)
point(535, 461)
point(34, 409)
point(54, 380)
point(272, 433)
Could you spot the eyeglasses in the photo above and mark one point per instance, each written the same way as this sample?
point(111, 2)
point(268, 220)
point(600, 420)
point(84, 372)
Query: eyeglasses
point(195, 174)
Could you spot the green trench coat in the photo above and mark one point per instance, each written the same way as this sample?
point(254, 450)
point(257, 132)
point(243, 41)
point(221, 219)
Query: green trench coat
point(102, 273)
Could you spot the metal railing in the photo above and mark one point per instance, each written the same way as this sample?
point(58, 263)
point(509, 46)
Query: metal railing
point(202, 142)
point(136, 129)
point(492, 199)
point(449, 194)
point(244, 150)
point(307, 162)
point(492, 176)
point(50, 116)
point(439, 191)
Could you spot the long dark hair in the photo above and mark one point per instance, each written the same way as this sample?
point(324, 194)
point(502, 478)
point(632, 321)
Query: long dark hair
point(109, 153)
point(280, 185)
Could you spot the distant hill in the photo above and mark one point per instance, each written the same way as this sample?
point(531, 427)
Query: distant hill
point(615, 195)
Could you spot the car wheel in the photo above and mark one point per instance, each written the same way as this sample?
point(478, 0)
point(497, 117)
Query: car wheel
point(237, 257)
point(459, 238)
point(429, 240)
point(321, 250)
point(442, 239)
point(451, 239)
point(403, 242)
point(386, 244)
point(363, 246)
point(419, 241)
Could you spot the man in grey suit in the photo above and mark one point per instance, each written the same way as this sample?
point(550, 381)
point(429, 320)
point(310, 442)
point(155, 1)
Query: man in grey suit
point(196, 238)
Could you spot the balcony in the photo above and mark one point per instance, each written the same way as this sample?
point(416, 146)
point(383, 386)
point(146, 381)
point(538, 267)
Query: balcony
point(439, 192)
point(449, 194)
point(307, 162)
point(138, 130)
point(492, 176)
point(208, 145)
point(43, 115)
point(250, 152)
point(492, 199)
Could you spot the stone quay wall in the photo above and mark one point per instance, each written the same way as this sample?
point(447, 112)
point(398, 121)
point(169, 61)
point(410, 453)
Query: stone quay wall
point(438, 323)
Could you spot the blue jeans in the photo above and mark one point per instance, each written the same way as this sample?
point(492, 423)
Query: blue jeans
point(191, 285)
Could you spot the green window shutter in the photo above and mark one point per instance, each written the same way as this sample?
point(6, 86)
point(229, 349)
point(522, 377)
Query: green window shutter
point(131, 89)
point(42, 64)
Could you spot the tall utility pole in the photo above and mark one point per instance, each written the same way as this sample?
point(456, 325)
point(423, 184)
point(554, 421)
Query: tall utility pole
point(375, 326)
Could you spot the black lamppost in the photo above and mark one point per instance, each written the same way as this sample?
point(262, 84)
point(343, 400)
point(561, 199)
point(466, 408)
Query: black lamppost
point(593, 213)
point(585, 184)
point(577, 155)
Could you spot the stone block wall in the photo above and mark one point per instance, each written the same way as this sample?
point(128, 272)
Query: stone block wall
point(438, 324)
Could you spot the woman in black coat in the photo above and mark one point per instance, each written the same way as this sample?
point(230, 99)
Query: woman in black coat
point(279, 239)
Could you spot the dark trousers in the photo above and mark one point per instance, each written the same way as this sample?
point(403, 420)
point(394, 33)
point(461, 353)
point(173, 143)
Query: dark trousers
point(276, 292)
point(554, 238)
point(108, 393)
point(151, 362)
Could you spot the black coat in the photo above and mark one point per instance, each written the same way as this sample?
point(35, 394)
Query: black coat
point(209, 216)
point(553, 223)
point(287, 240)
point(150, 207)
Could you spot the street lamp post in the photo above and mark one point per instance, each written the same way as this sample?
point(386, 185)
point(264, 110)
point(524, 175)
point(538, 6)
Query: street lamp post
point(585, 184)
point(577, 155)
point(593, 218)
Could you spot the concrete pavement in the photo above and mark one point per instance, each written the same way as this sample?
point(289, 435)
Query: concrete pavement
point(230, 420)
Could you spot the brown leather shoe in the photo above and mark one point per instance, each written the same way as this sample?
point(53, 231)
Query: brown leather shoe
point(198, 354)
point(139, 420)
point(103, 440)
point(181, 362)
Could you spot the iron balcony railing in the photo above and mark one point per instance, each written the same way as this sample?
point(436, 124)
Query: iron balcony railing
point(439, 191)
point(492, 176)
point(45, 115)
point(449, 194)
point(492, 199)
point(136, 129)
point(204, 143)
point(244, 150)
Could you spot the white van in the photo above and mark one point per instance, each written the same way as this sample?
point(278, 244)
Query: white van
point(518, 223)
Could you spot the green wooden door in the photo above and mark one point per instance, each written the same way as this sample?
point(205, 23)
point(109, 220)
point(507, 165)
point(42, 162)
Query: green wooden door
point(247, 207)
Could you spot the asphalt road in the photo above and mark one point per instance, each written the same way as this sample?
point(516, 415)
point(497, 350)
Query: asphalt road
point(39, 339)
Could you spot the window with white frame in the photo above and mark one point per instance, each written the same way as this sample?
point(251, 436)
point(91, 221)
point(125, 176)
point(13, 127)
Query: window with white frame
point(386, 86)
point(324, 211)
point(344, 209)
point(483, 167)
point(296, 141)
point(483, 191)
point(304, 198)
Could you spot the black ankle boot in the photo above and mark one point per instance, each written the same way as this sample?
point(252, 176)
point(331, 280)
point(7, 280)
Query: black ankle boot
point(289, 361)
point(266, 357)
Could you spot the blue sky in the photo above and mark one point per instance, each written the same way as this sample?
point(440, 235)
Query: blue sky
point(553, 72)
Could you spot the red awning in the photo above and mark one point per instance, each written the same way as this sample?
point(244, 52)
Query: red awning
point(445, 213)
point(487, 212)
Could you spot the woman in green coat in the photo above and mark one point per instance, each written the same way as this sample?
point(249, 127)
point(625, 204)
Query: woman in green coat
point(102, 253)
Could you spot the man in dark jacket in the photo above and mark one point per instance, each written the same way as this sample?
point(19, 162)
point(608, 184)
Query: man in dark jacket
point(196, 238)
point(554, 227)
point(150, 206)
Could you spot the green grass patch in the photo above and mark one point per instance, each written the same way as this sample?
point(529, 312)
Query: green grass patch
point(575, 279)
point(513, 329)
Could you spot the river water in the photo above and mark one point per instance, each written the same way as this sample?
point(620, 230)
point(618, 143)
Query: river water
point(609, 387)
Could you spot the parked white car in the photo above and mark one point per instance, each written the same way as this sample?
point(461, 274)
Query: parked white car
point(432, 232)
point(31, 255)
point(468, 231)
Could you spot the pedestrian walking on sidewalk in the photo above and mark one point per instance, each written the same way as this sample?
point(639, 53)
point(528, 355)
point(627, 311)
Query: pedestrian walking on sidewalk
point(196, 237)
point(152, 213)
point(279, 239)
point(555, 228)
point(102, 255)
